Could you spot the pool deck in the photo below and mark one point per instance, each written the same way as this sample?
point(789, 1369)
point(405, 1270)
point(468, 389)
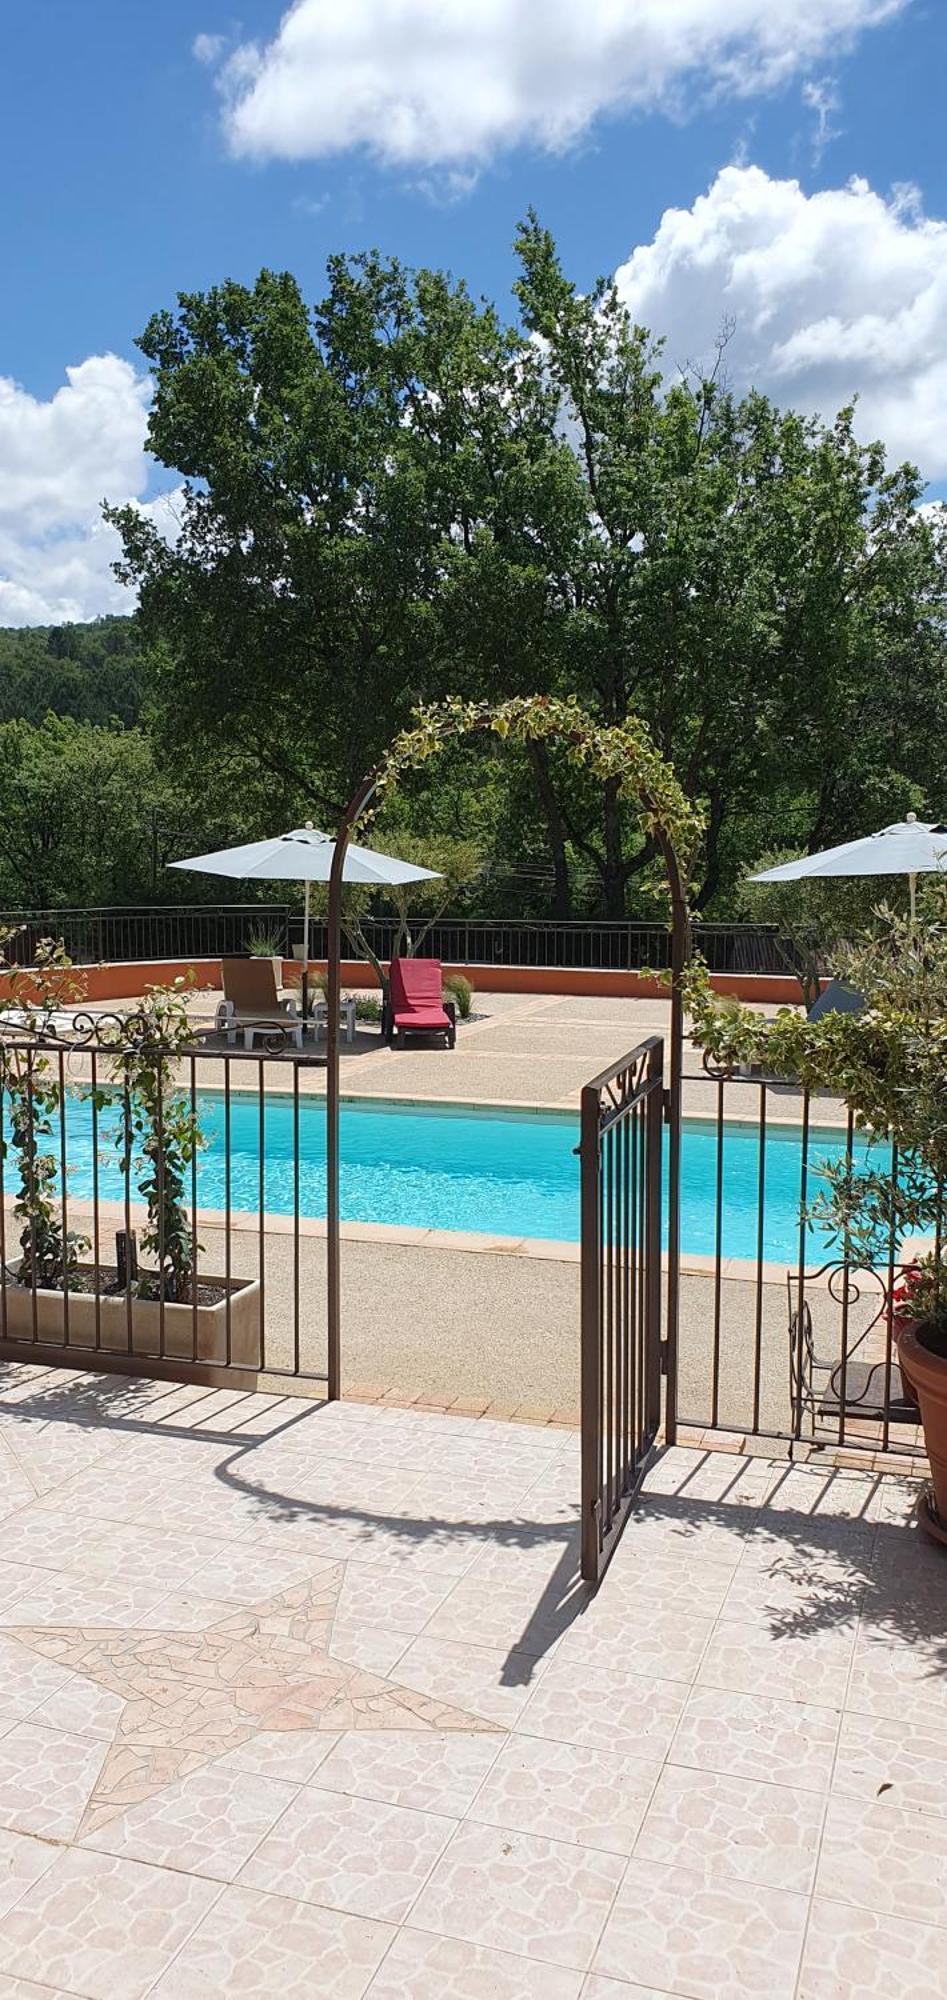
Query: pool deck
point(310, 1700)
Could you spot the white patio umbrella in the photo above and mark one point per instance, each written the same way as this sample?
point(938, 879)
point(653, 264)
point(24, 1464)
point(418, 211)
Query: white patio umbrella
point(305, 855)
point(911, 847)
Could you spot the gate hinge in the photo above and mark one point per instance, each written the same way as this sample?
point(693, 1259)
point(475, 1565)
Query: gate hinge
point(663, 1352)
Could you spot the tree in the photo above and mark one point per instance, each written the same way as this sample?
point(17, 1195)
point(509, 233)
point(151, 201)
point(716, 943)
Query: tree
point(393, 494)
point(417, 905)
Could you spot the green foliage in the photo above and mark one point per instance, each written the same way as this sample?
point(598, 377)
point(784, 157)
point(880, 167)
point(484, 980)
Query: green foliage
point(91, 673)
point(459, 989)
point(161, 1122)
point(888, 1062)
point(265, 943)
point(815, 916)
point(392, 494)
point(35, 1094)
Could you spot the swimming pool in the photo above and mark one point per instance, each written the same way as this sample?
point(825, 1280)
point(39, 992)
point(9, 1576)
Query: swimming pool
point(447, 1167)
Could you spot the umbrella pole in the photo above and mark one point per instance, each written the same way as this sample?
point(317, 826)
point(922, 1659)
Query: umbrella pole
point(912, 890)
point(305, 978)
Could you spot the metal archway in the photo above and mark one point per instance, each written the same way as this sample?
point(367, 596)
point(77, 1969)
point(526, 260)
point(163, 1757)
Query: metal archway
point(356, 809)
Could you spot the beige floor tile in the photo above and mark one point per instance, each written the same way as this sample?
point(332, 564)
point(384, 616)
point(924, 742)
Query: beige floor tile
point(756, 1736)
point(291, 1755)
point(807, 1666)
point(544, 1898)
point(895, 1762)
point(884, 1860)
point(22, 1861)
point(349, 1853)
point(102, 1927)
point(24, 1989)
point(377, 1648)
point(82, 1708)
point(426, 1770)
point(591, 1797)
point(25, 1681)
point(599, 1988)
point(254, 1947)
point(892, 1681)
point(492, 1681)
point(855, 1954)
point(46, 1779)
point(666, 1644)
point(720, 1940)
point(208, 1823)
point(419, 1967)
point(604, 1708)
point(403, 1602)
point(512, 1611)
point(768, 1834)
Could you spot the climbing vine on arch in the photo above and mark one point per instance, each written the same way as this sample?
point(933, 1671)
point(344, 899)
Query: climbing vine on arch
point(623, 752)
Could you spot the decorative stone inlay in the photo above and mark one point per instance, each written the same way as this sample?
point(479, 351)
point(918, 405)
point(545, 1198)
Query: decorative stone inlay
point(191, 1696)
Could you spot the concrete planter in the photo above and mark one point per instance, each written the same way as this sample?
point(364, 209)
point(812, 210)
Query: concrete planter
point(187, 1336)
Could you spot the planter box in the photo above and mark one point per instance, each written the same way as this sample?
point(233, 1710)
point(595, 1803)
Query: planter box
point(187, 1337)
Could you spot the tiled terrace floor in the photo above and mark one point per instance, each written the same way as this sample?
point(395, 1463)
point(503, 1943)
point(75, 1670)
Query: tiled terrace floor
point(303, 1700)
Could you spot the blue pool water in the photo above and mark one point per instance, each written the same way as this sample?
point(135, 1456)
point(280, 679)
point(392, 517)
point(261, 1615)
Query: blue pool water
point(512, 1174)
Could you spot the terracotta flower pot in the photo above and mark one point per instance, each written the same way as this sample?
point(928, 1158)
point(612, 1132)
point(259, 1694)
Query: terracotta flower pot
point(927, 1375)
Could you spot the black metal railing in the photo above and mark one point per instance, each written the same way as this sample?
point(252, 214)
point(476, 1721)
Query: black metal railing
point(125, 1245)
point(214, 930)
point(622, 1114)
point(121, 936)
point(786, 1333)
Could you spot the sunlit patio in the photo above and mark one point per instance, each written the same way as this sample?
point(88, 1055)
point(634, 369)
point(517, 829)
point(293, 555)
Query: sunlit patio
point(305, 1698)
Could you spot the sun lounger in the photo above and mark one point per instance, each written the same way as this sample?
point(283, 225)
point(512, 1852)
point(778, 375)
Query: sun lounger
point(415, 1004)
point(251, 1004)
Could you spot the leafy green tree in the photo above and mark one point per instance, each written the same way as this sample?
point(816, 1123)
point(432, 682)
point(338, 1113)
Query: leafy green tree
point(393, 495)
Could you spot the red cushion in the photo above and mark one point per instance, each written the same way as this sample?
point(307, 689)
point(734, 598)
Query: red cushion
point(424, 1018)
point(415, 982)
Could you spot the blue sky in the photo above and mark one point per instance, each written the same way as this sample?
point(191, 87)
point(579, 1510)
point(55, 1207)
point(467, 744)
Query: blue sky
point(135, 168)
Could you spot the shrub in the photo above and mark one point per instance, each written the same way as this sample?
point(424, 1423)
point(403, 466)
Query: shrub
point(264, 943)
point(459, 989)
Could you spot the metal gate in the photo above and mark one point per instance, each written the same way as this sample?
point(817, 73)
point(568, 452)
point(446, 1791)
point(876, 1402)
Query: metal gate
point(622, 1118)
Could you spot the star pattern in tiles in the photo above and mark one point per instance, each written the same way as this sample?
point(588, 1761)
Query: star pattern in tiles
point(191, 1696)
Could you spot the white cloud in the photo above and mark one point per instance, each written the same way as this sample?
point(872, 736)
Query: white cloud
point(822, 98)
point(208, 49)
point(445, 82)
point(831, 293)
point(58, 460)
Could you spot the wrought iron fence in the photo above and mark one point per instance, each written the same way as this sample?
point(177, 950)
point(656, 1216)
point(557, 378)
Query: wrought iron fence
point(786, 1333)
point(122, 1245)
point(622, 1112)
point(120, 936)
point(215, 930)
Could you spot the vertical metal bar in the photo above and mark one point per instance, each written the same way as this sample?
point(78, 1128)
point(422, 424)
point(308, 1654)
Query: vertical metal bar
point(262, 1199)
point(3, 1192)
point(889, 1298)
point(680, 948)
point(718, 1261)
point(228, 1248)
point(127, 1149)
point(655, 1134)
point(590, 1354)
point(296, 1244)
point(30, 1231)
point(96, 1223)
point(760, 1244)
point(846, 1288)
point(800, 1361)
point(628, 1303)
point(159, 1176)
point(195, 1247)
point(63, 1198)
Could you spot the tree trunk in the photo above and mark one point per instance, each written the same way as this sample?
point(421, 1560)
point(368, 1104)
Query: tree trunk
point(614, 873)
point(555, 831)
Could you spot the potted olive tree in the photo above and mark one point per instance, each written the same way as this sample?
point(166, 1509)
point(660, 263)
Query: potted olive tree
point(889, 1063)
